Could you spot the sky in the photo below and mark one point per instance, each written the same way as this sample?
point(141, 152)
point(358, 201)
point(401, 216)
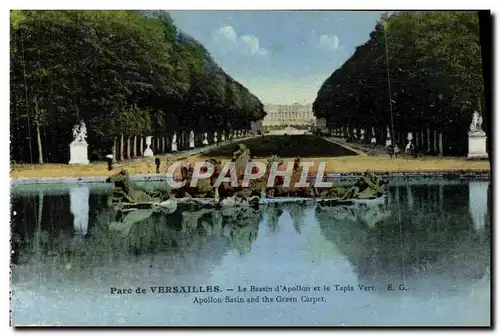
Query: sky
point(282, 57)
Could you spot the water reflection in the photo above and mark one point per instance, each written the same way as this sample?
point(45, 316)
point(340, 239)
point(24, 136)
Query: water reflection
point(429, 236)
point(411, 245)
point(79, 200)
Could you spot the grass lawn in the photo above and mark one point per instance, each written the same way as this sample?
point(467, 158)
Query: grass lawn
point(383, 163)
point(304, 146)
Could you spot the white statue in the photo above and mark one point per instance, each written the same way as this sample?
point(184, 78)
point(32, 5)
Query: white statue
point(78, 147)
point(79, 132)
point(174, 142)
point(477, 139)
point(215, 137)
point(477, 122)
point(388, 140)
point(191, 139)
point(148, 151)
point(205, 138)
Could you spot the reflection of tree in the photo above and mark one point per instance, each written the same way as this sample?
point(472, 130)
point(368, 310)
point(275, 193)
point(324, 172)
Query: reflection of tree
point(296, 210)
point(443, 243)
point(273, 212)
point(243, 226)
point(201, 238)
point(341, 225)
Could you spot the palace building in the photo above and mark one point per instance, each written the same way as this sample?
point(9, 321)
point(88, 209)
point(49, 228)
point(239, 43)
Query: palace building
point(288, 115)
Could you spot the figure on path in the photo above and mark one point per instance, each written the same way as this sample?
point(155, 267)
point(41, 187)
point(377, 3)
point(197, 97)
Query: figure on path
point(109, 159)
point(157, 164)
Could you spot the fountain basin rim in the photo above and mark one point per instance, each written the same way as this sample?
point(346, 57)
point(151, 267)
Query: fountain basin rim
point(483, 174)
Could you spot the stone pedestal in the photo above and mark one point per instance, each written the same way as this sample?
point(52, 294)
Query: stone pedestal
point(205, 139)
point(477, 146)
point(78, 153)
point(79, 204)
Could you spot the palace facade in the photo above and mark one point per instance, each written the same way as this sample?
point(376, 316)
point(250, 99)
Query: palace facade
point(288, 115)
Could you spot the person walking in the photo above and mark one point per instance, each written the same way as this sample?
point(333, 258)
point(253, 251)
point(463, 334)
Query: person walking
point(109, 159)
point(157, 163)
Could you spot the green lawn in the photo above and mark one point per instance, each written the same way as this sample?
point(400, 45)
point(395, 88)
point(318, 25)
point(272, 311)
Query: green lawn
point(304, 146)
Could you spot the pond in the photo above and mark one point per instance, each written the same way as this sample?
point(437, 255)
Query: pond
point(420, 259)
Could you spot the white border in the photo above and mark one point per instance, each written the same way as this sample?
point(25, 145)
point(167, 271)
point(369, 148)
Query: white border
point(185, 4)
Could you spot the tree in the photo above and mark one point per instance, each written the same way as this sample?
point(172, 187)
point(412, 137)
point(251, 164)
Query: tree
point(122, 72)
point(434, 64)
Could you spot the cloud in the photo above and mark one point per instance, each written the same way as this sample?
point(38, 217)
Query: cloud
point(226, 33)
point(249, 43)
point(261, 52)
point(226, 41)
point(328, 42)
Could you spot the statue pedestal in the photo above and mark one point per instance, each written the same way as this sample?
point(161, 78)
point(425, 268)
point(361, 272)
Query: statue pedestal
point(78, 153)
point(477, 146)
point(148, 152)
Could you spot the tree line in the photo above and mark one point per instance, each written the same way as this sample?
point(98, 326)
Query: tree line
point(124, 73)
point(417, 71)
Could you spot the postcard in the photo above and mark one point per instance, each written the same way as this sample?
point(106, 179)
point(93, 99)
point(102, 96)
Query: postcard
point(250, 168)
